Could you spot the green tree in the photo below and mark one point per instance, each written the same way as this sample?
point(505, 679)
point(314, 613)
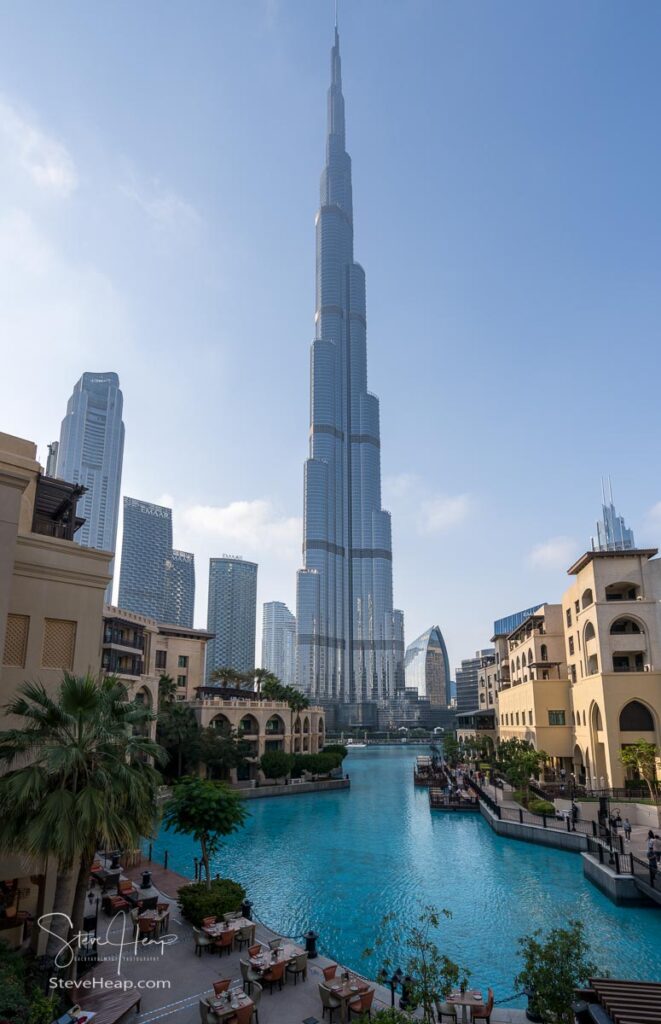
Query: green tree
point(451, 748)
point(273, 689)
point(221, 752)
point(167, 689)
point(77, 777)
point(433, 974)
point(553, 968)
point(178, 733)
point(643, 757)
point(520, 761)
point(208, 811)
point(276, 764)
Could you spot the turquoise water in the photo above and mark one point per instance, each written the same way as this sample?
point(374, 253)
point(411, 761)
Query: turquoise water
point(339, 861)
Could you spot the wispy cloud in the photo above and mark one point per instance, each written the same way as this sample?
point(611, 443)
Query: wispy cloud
point(653, 516)
point(44, 160)
point(430, 511)
point(555, 553)
point(253, 525)
point(160, 204)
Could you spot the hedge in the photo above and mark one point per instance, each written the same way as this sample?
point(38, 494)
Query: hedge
point(316, 764)
point(275, 764)
point(197, 901)
point(541, 807)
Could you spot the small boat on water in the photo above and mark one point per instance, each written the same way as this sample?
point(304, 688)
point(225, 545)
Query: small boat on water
point(355, 744)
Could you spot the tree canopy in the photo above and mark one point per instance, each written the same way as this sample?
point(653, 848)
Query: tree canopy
point(208, 811)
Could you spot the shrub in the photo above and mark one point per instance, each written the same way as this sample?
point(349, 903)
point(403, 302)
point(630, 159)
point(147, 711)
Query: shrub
point(275, 764)
point(541, 807)
point(13, 1004)
point(316, 764)
point(335, 748)
point(197, 901)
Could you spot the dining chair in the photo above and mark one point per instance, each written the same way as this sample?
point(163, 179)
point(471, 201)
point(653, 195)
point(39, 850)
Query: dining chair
point(328, 1002)
point(483, 1012)
point(201, 942)
point(244, 935)
point(362, 1005)
point(330, 971)
point(243, 1015)
point(225, 941)
point(146, 926)
point(274, 976)
point(221, 986)
point(299, 965)
point(249, 976)
point(208, 921)
point(445, 1011)
point(207, 1016)
point(255, 950)
point(274, 943)
point(256, 995)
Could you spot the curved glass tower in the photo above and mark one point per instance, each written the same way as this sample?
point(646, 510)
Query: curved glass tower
point(349, 638)
point(427, 667)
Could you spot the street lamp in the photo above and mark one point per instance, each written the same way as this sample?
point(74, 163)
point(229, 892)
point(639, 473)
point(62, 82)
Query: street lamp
point(393, 982)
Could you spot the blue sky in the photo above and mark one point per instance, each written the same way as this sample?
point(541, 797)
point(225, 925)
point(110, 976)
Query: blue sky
point(159, 169)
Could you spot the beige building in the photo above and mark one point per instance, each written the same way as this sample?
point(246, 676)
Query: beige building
point(139, 650)
point(265, 725)
point(533, 698)
point(612, 624)
point(51, 606)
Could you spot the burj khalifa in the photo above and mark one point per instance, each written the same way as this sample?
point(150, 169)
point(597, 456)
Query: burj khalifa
point(350, 640)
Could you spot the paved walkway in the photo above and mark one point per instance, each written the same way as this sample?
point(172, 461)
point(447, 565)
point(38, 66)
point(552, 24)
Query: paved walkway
point(184, 978)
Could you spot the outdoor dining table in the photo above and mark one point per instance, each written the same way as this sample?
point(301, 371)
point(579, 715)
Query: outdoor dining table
point(264, 961)
point(162, 918)
point(220, 927)
point(471, 997)
point(345, 991)
point(223, 1008)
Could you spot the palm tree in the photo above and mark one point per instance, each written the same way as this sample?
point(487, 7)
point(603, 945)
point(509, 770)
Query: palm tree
point(167, 689)
point(261, 676)
point(77, 776)
point(228, 677)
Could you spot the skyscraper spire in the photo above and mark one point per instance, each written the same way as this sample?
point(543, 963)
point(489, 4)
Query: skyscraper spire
point(349, 639)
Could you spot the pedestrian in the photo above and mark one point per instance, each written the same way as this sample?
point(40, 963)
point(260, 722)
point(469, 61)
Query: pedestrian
point(651, 862)
point(627, 828)
point(657, 848)
point(650, 844)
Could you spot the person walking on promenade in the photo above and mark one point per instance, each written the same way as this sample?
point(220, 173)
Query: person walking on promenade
point(657, 847)
point(650, 845)
point(627, 828)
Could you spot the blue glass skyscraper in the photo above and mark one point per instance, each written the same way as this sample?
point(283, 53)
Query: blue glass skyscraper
point(350, 641)
point(90, 452)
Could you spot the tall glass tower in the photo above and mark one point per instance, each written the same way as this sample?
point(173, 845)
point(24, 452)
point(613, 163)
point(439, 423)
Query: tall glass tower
point(146, 552)
point(90, 452)
point(349, 640)
point(232, 614)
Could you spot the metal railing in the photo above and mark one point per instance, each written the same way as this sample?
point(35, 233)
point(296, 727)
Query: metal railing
point(452, 802)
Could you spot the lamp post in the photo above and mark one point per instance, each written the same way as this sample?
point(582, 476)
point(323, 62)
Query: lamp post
point(393, 982)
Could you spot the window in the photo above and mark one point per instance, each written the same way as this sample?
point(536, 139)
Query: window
point(181, 680)
point(16, 641)
point(593, 665)
point(161, 659)
point(182, 661)
point(587, 598)
point(572, 673)
point(544, 652)
point(636, 717)
point(59, 644)
point(517, 718)
point(589, 632)
point(577, 607)
point(545, 674)
point(530, 718)
point(571, 645)
point(556, 718)
point(568, 616)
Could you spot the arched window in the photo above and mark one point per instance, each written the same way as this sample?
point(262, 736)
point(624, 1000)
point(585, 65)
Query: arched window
point(635, 717)
point(518, 664)
point(530, 659)
point(626, 626)
point(249, 726)
point(297, 724)
point(621, 592)
point(306, 724)
point(589, 633)
point(222, 724)
point(523, 660)
point(587, 599)
point(275, 726)
point(583, 716)
point(544, 652)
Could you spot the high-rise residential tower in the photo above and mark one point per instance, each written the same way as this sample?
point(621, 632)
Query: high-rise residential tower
point(180, 588)
point(279, 641)
point(427, 667)
point(350, 643)
point(146, 551)
point(232, 614)
point(467, 679)
point(612, 532)
point(90, 452)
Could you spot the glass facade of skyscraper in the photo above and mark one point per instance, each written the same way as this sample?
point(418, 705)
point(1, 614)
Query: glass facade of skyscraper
point(467, 679)
point(279, 641)
point(146, 549)
point(427, 667)
point(349, 638)
point(90, 452)
point(180, 588)
point(232, 614)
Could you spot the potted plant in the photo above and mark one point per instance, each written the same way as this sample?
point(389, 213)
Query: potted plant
point(553, 967)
